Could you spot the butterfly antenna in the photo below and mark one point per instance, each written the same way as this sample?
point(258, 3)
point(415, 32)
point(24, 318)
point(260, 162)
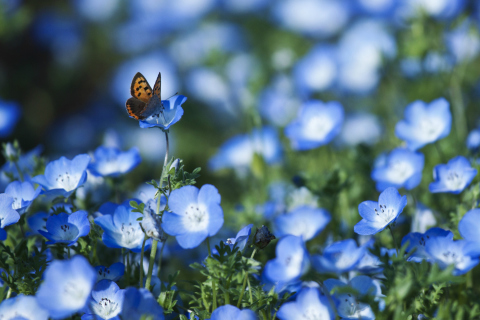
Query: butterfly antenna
point(173, 95)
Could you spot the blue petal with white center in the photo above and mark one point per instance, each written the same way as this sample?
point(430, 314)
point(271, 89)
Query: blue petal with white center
point(424, 123)
point(63, 176)
point(308, 304)
point(339, 257)
point(170, 114)
point(400, 168)
point(23, 194)
point(445, 252)
point(66, 228)
point(417, 241)
point(452, 177)
point(8, 215)
point(378, 215)
point(317, 124)
point(304, 221)
point(241, 238)
point(66, 287)
point(112, 162)
point(22, 308)
point(106, 301)
point(195, 215)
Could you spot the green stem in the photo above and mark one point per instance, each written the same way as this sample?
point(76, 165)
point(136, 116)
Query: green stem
point(160, 258)
point(250, 290)
point(153, 251)
point(243, 290)
point(393, 237)
point(9, 293)
point(142, 254)
point(214, 293)
point(127, 275)
point(208, 246)
point(253, 253)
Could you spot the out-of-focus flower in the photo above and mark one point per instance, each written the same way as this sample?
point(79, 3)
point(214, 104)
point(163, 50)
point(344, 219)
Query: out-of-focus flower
point(400, 168)
point(26, 163)
point(67, 286)
point(348, 304)
point(241, 238)
point(263, 237)
point(66, 228)
point(360, 128)
point(461, 253)
point(63, 176)
point(114, 272)
point(309, 304)
point(291, 261)
point(23, 194)
point(436, 62)
point(418, 241)
point(229, 312)
point(424, 123)
point(170, 114)
point(8, 215)
point(9, 116)
point(441, 10)
point(452, 177)
point(305, 222)
point(140, 302)
point(378, 215)
point(122, 229)
point(195, 215)
point(244, 6)
point(238, 152)
point(37, 222)
point(22, 307)
point(469, 226)
point(473, 140)
point(339, 257)
point(106, 301)
point(380, 8)
point(423, 219)
point(463, 42)
point(97, 10)
point(112, 162)
point(3, 235)
point(317, 124)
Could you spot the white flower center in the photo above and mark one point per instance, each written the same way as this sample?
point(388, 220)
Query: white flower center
point(75, 294)
point(66, 181)
point(349, 306)
point(68, 232)
point(399, 172)
point(196, 218)
point(385, 213)
point(106, 308)
point(317, 127)
point(454, 181)
point(131, 234)
point(430, 128)
point(313, 314)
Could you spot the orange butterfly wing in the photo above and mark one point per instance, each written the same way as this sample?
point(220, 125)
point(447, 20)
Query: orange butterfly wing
point(158, 86)
point(140, 88)
point(135, 108)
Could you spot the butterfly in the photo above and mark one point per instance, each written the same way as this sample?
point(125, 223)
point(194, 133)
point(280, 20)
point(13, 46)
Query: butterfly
point(144, 102)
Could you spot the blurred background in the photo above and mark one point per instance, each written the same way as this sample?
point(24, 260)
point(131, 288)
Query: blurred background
point(66, 69)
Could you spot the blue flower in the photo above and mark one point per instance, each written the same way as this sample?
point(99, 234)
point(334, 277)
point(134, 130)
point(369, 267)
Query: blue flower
point(418, 241)
point(463, 44)
point(400, 168)
point(8, 215)
point(62, 177)
point(317, 124)
point(122, 229)
point(378, 215)
point(114, 272)
point(361, 128)
point(445, 252)
point(424, 123)
point(138, 302)
point(106, 301)
point(66, 228)
point(26, 163)
point(304, 221)
point(112, 162)
point(468, 228)
point(22, 307)
point(349, 305)
point(423, 218)
point(241, 238)
point(23, 194)
point(238, 152)
point(229, 312)
point(339, 257)
point(195, 215)
point(309, 304)
point(9, 116)
point(473, 140)
point(172, 113)
point(290, 264)
point(452, 177)
point(66, 287)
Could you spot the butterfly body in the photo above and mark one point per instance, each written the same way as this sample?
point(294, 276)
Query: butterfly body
point(145, 102)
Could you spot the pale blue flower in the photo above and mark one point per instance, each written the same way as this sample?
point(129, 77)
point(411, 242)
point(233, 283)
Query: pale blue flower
point(360, 128)
point(445, 252)
point(8, 215)
point(140, 302)
point(112, 162)
point(452, 177)
point(339, 257)
point(304, 221)
point(473, 140)
point(308, 304)
point(417, 241)
point(22, 308)
point(170, 114)
point(66, 228)
point(106, 301)
point(23, 194)
point(229, 312)
point(241, 238)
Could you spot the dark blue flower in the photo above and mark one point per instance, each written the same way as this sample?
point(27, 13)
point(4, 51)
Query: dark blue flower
point(22, 308)
point(62, 177)
point(445, 252)
point(112, 162)
point(309, 304)
point(241, 238)
point(66, 228)
point(23, 194)
point(304, 221)
point(424, 123)
point(9, 116)
point(138, 302)
point(229, 312)
point(317, 124)
point(290, 264)
point(400, 168)
point(3, 234)
point(195, 215)
point(67, 286)
point(378, 215)
point(452, 177)
point(171, 113)
point(339, 257)
point(418, 241)
point(122, 229)
point(105, 302)
point(114, 272)
point(8, 215)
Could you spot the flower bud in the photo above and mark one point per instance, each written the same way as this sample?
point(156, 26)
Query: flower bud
point(263, 237)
